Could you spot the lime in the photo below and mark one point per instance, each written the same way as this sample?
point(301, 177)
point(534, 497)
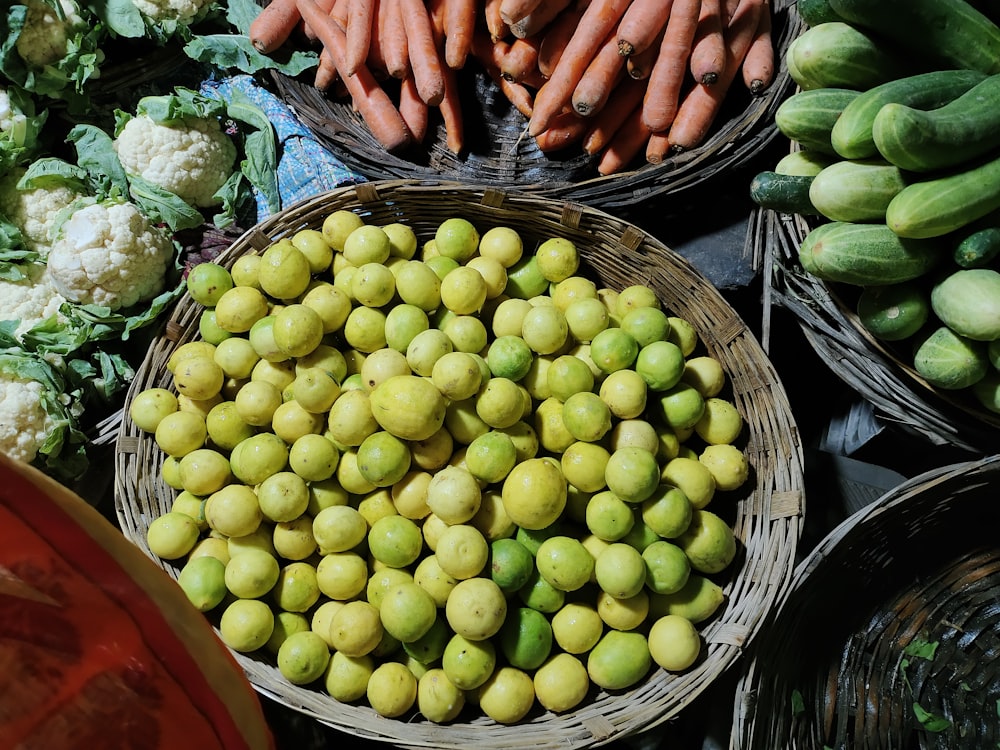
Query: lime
point(705, 374)
point(180, 432)
point(203, 471)
point(613, 349)
point(303, 657)
point(634, 297)
point(467, 333)
point(395, 541)
point(203, 581)
point(561, 683)
point(476, 608)
point(438, 699)
point(720, 423)
point(577, 627)
point(283, 496)
point(499, 402)
point(291, 421)
point(586, 416)
point(251, 573)
point(491, 456)
point(462, 551)
point(692, 477)
point(568, 375)
point(239, 308)
point(708, 542)
point(355, 629)
point(429, 576)
point(313, 457)
point(525, 279)
point(246, 624)
point(297, 330)
point(407, 611)
point(297, 588)
point(382, 580)
point(367, 244)
point(494, 273)
point(667, 511)
point(625, 392)
point(409, 494)
point(697, 600)
point(491, 519)
point(544, 329)
point(558, 259)
point(419, 286)
point(620, 570)
point(441, 265)
point(151, 405)
point(503, 244)
point(626, 613)
point(573, 289)
point(584, 465)
point(373, 285)
point(683, 334)
point(550, 426)
point(509, 357)
point(338, 225)
point(507, 696)
point(667, 567)
point(681, 406)
point(426, 348)
point(525, 638)
point(511, 564)
point(244, 270)
point(339, 528)
point(383, 459)
point(632, 474)
point(409, 407)
point(608, 516)
point(456, 238)
point(350, 419)
point(232, 511)
point(619, 660)
point(293, 540)
point(206, 282)
point(314, 246)
point(463, 291)
point(453, 495)
point(392, 689)
point(364, 329)
point(508, 316)
point(586, 318)
point(534, 493)
point(342, 575)
point(727, 464)
point(346, 677)
point(674, 643)
point(284, 271)
point(539, 594)
point(646, 325)
point(285, 624)
point(402, 323)
point(429, 647)
point(468, 663)
point(660, 364)
point(564, 562)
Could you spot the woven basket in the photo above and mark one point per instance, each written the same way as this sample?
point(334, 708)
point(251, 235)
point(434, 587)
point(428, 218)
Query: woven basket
point(499, 152)
point(839, 666)
point(766, 514)
point(877, 371)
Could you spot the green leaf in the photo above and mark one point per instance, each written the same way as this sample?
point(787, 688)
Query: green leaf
point(50, 171)
point(13, 264)
point(260, 148)
point(162, 206)
point(235, 52)
point(798, 704)
point(122, 17)
point(921, 649)
point(241, 14)
point(180, 104)
point(96, 153)
point(930, 722)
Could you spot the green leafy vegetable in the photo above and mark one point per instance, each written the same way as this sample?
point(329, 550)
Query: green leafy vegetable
point(235, 52)
point(931, 722)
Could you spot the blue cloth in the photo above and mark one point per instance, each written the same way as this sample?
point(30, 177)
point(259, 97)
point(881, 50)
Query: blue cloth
point(305, 167)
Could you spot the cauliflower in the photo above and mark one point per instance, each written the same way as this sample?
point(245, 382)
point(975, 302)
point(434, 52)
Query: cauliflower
point(30, 300)
point(191, 157)
point(25, 423)
point(11, 120)
point(45, 37)
point(182, 11)
point(109, 254)
point(34, 211)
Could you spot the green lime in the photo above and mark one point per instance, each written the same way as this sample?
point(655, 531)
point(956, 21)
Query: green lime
point(525, 638)
point(203, 580)
point(564, 562)
point(303, 657)
point(511, 564)
point(456, 238)
point(613, 349)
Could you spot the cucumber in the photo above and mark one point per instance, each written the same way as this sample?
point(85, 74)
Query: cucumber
point(815, 12)
point(808, 117)
point(856, 190)
point(893, 312)
point(950, 32)
point(852, 133)
point(964, 129)
point(803, 162)
point(782, 192)
point(838, 55)
point(968, 302)
point(865, 254)
point(935, 207)
point(950, 361)
point(978, 243)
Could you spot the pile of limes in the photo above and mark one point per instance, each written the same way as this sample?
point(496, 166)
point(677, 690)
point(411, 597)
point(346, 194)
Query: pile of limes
point(431, 474)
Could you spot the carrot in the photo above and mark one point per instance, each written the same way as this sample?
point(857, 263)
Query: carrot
point(392, 39)
point(484, 50)
point(413, 109)
point(565, 129)
point(339, 12)
point(657, 147)
point(521, 59)
point(605, 71)
point(371, 100)
point(702, 103)
point(666, 79)
point(459, 24)
point(518, 95)
point(639, 64)
point(597, 21)
point(625, 145)
point(307, 31)
point(451, 111)
point(273, 25)
point(641, 25)
point(326, 71)
point(708, 50)
point(360, 18)
point(539, 18)
point(436, 11)
point(758, 65)
point(425, 61)
point(512, 11)
point(557, 35)
point(494, 21)
point(605, 123)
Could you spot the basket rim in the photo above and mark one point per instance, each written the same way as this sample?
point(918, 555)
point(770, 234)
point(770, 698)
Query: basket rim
point(770, 513)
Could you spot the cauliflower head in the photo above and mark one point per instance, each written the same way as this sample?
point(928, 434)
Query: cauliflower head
point(182, 11)
point(191, 157)
point(25, 423)
point(34, 211)
point(11, 120)
point(45, 36)
point(110, 254)
point(30, 300)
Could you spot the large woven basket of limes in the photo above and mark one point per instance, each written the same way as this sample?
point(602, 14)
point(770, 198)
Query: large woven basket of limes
point(448, 465)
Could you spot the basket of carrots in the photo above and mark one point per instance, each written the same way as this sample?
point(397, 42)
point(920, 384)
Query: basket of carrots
point(609, 102)
point(886, 637)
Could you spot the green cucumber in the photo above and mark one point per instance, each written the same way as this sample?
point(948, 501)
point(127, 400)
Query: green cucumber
point(978, 243)
point(865, 254)
point(950, 32)
point(949, 361)
point(968, 302)
point(839, 55)
point(893, 312)
point(808, 117)
point(815, 12)
point(856, 191)
point(852, 133)
point(782, 192)
point(803, 162)
point(934, 207)
point(964, 129)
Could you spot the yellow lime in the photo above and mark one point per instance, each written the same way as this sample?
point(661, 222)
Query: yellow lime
point(632, 474)
point(568, 375)
point(683, 334)
point(239, 308)
point(573, 289)
point(293, 540)
point(667, 567)
point(583, 465)
point(646, 325)
point(456, 238)
point(409, 494)
point(291, 421)
point(693, 478)
point(585, 318)
point(314, 246)
point(373, 285)
point(661, 364)
point(364, 329)
point(342, 575)
point(534, 493)
point(680, 407)
point(564, 562)
point(525, 279)
point(508, 695)
point(720, 423)
point(620, 570)
point(697, 600)
point(233, 511)
point(503, 244)
point(705, 373)
point(468, 663)
point(508, 317)
point(409, 407)
point(613, 349)
point(151, 405)
point(283, 496)
point(623, 614)
point(438, 699)
point(434, 452)
point(558, 258)
point(550, 426)
point(285, 624)
point(544, 329)
point(180, 432)
point(636, 296)
point(625, 393)
point(313, 457)
point(577, 627)
point(402, 240)
point(392, 689)
point(428, 648)
point(727, 464)
point(251, 573)
point(395, 541)
point(366, 244)
point(494, 273)
point(338, 225)
point(203, 580)
point(383, 459)
point(499, 402)
point(467, 333)
point(426, 348)
point(303, 657)
point(454, 495)
point(619, 660)
point(667, 511)
point(476, 608)
point(609, 517)
point(244, 270)
point(708, 542)
point(284, 271)
point(350, 419)
point(246, 624)
point(463, 291)
point(203, 471)
point(462, 551)
point(491, 519)
point(407, 610)
point(346, 677)
point(637, 433)
point(429, 576)
point(491, 456)
point(382, 580)
point(586, 416)
point(561, 683)
point(355, 629)
point(674, 643)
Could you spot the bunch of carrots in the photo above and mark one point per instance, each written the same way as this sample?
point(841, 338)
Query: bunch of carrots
point(622, 79)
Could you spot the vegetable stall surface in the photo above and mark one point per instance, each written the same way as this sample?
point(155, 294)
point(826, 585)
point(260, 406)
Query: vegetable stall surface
point(901, 202)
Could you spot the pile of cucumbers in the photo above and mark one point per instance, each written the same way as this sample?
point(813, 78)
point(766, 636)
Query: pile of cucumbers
point(897, 124)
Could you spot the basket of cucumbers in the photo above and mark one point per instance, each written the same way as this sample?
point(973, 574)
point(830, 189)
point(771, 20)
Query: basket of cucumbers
point(884, 219)
point(448, 465)
point(887, 638)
